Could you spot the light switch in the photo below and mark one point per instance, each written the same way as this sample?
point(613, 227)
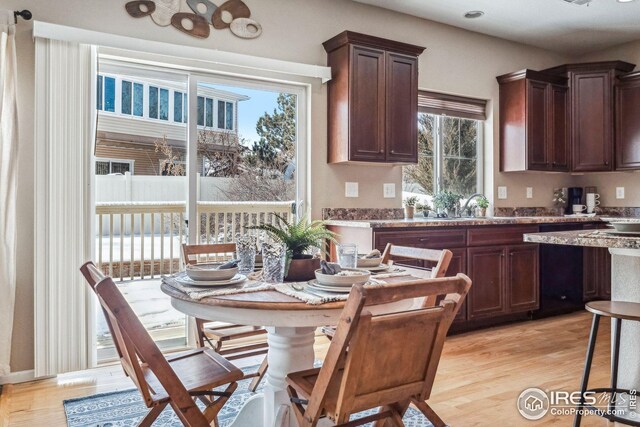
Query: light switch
point(619, 192)
point(389, 190)
point(529, 192)
point(350, 189)
point(502, 192)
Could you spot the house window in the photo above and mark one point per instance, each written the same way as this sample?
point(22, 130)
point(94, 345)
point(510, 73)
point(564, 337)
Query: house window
point(180, 107)
point(106, 94)
point(164, 104)
point(108, 166)
point(450, 130)
point(225, 115)
point(127, 97)
point(153, 102)
point(138, 99)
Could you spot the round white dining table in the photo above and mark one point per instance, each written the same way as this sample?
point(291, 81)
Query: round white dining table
point(291, 326)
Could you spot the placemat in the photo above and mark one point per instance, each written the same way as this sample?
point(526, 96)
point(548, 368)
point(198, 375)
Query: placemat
point(197, 293)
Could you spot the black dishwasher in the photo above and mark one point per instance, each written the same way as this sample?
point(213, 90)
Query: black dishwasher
point(561, 275)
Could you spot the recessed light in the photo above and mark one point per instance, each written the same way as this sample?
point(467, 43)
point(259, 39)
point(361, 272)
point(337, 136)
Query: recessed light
point(472, 14)
point(625, 1)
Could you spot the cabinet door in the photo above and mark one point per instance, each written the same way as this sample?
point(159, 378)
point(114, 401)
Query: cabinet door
point(537, 158)
point(367, 105)
point(597, 274)
point(402, 108)
point(523, 283)
point(592, 121)
point(558, 139)
point(457, 265)
point(487, 269)
point(628, 126)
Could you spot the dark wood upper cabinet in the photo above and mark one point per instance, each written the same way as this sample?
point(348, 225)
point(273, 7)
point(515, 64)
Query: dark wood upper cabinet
point(533, 117)
point(627, 123)
point(591, 90)
point(373, 100)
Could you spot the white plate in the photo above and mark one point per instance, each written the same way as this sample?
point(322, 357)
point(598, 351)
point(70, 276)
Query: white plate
point(314, 285)
point(626, 227)
point(335, 280)
point(379, 268)
point(187, 281)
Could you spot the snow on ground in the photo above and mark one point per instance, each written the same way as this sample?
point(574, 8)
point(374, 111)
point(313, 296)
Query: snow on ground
point(137, 247)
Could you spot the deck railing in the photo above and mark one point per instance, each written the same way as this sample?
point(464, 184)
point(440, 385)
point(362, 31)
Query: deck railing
point(137, 240)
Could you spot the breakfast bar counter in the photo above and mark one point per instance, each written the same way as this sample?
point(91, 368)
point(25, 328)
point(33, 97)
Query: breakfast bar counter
point(625, 286)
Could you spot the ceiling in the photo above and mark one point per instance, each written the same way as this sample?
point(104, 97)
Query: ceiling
point(550, 24)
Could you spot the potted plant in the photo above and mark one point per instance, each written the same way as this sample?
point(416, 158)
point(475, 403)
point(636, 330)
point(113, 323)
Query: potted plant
point(447, 201)
point(410, 206)
point(298, 236)
point(559, 200)
point(483, 204)
point(424, 208)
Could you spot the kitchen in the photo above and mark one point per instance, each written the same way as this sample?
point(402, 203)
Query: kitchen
point(468, 62)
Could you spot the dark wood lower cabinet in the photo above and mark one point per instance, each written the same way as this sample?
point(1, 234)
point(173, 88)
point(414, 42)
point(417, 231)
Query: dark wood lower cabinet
point(523, 283)
point(457, 265)
point(487, 269)
point(597, 274)
point(505, 280)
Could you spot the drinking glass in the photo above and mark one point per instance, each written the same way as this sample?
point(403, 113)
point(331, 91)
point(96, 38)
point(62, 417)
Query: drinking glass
point(347, 255)
point(246, 251)
point(273, 260)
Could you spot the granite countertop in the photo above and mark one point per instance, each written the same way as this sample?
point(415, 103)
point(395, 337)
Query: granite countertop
point(435, 222)
point(598, 239)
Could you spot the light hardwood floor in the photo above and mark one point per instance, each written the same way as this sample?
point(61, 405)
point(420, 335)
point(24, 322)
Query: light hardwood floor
point(479, 379)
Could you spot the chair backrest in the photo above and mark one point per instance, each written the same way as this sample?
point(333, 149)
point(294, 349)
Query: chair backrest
point(437, 261)
point(136, 346)
point(192, 254)
point(393, 355)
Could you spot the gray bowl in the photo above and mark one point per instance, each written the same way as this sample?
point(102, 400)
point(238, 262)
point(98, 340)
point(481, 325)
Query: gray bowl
point(335, 280)
point(209, 272)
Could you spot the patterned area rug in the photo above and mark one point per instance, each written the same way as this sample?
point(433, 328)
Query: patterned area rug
point(126, 409)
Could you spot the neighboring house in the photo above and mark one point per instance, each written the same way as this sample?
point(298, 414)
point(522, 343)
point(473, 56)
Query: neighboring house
point(134, 113)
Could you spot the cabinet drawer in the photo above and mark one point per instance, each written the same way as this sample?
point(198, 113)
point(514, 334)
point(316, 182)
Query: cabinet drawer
point(487, 236)
point(432, 239)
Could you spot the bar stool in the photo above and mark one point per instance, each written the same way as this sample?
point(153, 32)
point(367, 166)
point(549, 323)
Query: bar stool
point(618, 311)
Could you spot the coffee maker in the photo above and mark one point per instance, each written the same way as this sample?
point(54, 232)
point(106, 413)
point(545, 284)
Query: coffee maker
point(574, 197)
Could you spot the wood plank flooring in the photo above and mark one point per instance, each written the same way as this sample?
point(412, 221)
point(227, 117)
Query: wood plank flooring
point(479, 379)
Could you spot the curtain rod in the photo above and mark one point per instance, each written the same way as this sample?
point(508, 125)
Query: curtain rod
point(24, 14)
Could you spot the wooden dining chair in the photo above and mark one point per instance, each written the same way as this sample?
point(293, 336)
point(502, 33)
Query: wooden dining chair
point(226, 338)
point(392, 356)
point(177, 380)
point(435, 264)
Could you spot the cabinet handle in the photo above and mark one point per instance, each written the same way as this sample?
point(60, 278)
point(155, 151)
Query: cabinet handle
point(424, 239)
point(502, 255)
point(606, 163)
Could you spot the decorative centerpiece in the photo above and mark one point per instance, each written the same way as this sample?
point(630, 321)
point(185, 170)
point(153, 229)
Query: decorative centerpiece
point(410, 206)
point(483, 204)
point(298, 237)
point(447, 202)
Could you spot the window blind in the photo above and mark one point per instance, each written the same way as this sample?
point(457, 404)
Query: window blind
point(452, 105)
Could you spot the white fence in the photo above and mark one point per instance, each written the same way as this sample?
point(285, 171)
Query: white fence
point(126, 253)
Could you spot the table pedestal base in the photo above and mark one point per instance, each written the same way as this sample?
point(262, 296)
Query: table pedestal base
point(290, 350)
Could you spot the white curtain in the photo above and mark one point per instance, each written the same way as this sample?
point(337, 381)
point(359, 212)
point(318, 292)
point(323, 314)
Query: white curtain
point(8, 172)
point(65, 113)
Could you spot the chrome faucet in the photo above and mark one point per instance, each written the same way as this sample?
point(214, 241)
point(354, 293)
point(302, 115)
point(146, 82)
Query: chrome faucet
point(466, 204)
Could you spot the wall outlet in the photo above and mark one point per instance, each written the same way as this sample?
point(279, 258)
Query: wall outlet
point(529, 192)
point(350, 189)
point(619, 192)
point(389, 190)
point(502, 192)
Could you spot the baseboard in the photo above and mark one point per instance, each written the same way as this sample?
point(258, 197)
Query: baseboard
point(17, 377)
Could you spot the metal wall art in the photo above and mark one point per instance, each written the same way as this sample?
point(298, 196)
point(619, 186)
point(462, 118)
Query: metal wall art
point(232, 14)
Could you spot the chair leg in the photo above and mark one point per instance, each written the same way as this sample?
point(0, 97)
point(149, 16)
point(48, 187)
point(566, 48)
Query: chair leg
point(199, 332)
point(396, 419)
point(615, 358)
point(587, 367)
point(429, 413)
point(262, 370)
point(151, 416)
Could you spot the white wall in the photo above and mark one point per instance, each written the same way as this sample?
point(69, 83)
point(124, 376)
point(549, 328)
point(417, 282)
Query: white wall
point(455, 61)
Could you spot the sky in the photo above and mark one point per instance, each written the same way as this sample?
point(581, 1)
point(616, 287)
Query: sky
point(251, 110)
